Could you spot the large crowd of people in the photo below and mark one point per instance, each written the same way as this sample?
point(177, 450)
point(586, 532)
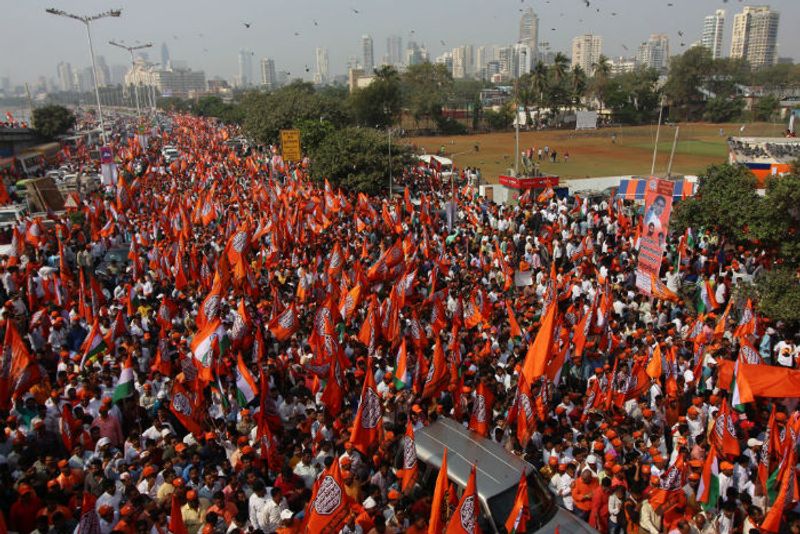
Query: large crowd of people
point(198, 348)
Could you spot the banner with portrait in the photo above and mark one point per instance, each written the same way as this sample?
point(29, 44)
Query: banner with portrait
point(653, 231)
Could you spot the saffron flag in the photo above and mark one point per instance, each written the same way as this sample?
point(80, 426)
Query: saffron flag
point(439, 507)
point(520, 512)
point(367, 424)
point(539, 350)
point(437, 376)
point(482, 410)
point(465, 516)
point(408, 474)
point(330, 505)
point(176, 524)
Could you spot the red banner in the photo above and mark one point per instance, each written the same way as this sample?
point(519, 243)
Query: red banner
point(538, 182)
point(653, 231)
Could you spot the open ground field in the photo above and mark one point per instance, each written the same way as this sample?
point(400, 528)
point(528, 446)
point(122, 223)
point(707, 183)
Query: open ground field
point(591, 153)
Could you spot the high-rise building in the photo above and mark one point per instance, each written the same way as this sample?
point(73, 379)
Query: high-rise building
point(65, 77)
point(654, 53)
point(482, 56)
point(529, 29)
point(103, 72)
point(83, 80)
point(586, 50)
point(321, 74)
point(367, 53)
point(394, 50)
point(245, 76)
point(413, 54)
point(459, 56)
point(523, 56)
point(164, 55)
point(755, 36)
point(505, 55)
point(269, 79)
point(118, 74)
point(172, 81)
point(713, 26)
point(446, 59)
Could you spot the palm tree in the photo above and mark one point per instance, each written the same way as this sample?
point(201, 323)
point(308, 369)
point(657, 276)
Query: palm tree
point(524, 96)
point(577, 84)
point(558, 75)
point(538, 78)
point(601, 73)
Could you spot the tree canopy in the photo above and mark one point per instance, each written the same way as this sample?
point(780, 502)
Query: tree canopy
point(52, 121)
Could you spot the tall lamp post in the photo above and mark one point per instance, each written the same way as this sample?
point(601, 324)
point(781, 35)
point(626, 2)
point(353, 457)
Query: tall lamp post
point(133, 66)
point(87, 21)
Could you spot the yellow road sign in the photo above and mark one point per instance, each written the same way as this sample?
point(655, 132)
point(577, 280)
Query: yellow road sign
point(290, 145)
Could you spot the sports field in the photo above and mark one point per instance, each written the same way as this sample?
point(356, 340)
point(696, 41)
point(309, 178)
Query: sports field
point(592, 153)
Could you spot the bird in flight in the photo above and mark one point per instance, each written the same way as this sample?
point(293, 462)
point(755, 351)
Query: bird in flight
point(680, 33)
point(246, 24)
point(355, 10)
point(315, 23)
point(587, 3)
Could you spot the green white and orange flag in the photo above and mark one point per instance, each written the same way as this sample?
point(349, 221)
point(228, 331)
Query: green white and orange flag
point(401, 375)
point(93, 346)
point(210, 339)
point(246, 387)
point(124, 387)
point(708, 490)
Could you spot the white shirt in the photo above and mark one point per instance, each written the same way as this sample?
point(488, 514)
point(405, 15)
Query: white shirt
point(255, 506)
point(270, 515)
point(565, 491)
point(307, 472)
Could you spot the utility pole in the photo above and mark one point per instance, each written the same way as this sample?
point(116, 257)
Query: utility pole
point(130, 49)
point(672, 154)
point(87, 20)
point(658, 131)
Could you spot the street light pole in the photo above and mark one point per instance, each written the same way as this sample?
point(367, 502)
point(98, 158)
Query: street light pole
point(133, 66)
point(390, 162)
point(87, 20)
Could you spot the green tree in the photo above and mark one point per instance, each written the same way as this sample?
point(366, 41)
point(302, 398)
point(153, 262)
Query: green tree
point(501, 119)
point(313, 133)
point(425, 88)
point(633, 97)
point(557, 90)
point(213, 106)
point(577, 85)
point(265, 114)
point(601, 72)
point(539, 77)
point(357, 159)
point(765, 108)
point(723, 109)
point(53, 120)
point(726, 201)
point(378, 105)
point(687, 76)
point(778, 294)
point(777, 221)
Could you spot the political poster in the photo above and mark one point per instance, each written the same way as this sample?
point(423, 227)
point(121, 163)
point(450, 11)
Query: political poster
point(290, 145)
point(653, 230)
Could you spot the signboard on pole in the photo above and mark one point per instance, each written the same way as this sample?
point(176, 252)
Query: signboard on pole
point(537, 182)
point(653, 231)
point(290, 145)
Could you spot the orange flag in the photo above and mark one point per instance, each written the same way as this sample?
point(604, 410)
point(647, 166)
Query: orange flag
point(329, 506)
point(367, 427)
point(516, 331)
point(747, 323)
point(408, 474)
point(724, 433)
point(774, 518)
point(465, 516)
point(654, 365)
point(176, 524)
point(437, 376)
point(439, 508)
point(539, 350)
point(482, 410)
point(285, 324)
point(520, 512)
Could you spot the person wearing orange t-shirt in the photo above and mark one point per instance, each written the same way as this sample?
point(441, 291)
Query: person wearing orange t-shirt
point(582, 491)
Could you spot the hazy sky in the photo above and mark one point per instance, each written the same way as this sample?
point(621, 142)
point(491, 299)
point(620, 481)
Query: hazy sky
point(208, 34)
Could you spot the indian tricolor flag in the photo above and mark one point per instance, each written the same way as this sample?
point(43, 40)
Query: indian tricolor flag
point(211, 340)
point(708, 490)
point(706, 302)
point(246, 388)
point(124, 387)
point(93, 346)
point(401, 375)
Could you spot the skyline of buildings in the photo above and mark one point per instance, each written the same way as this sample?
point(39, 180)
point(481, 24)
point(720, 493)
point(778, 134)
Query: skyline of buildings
point(754, 38)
